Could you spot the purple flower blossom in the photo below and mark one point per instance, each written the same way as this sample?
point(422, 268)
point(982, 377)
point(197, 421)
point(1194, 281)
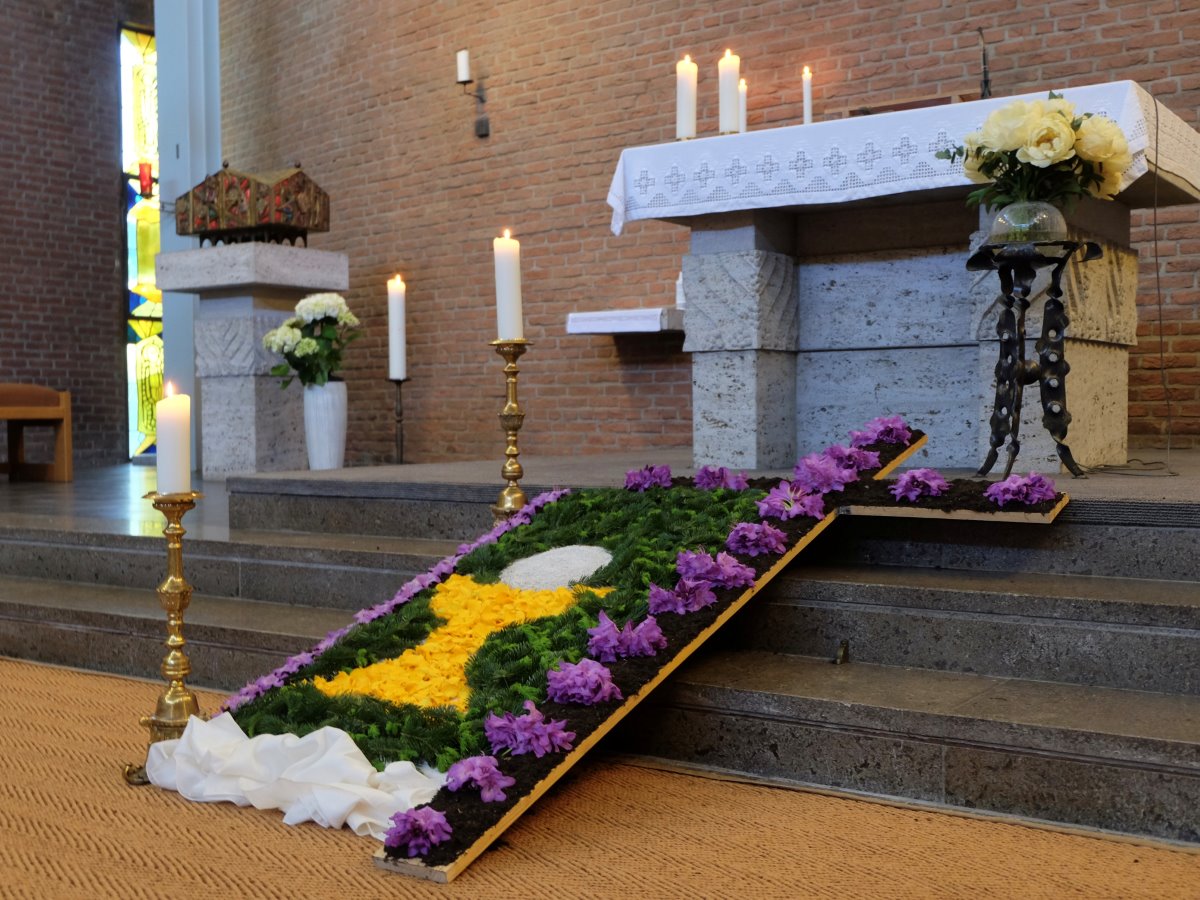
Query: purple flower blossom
point(587, 682)
point(417, 830)
point(786, 501)
point(885, 430)
point(1027, 490)
point(710, 478)
point(919, 483)
point(530, 733)
point(647, 477)
point(644, 640)
point(819, 474)
point(604, 641)
point(663, 600)
point(694, 564)
point(724, 571)
point(483, 772)
point(855, 458)
point(756, 539)
point(608, 643)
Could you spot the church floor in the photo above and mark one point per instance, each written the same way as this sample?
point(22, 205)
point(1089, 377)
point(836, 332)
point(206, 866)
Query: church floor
point(70, 827)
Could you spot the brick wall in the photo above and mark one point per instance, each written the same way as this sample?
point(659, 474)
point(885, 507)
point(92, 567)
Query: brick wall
point(61, 215)
point(362, 93)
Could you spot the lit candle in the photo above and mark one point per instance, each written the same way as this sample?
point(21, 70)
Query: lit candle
point(685, 99)
point(464, 66)
point(742, 106)
point(173, 414)
point(727, 92)
point(807, 96)
point(509, 324)
point(397, 349)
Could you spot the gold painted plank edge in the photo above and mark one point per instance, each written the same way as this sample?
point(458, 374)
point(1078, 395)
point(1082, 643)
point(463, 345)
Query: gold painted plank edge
point(956, 515)
point(901, 458)
point(448, 872)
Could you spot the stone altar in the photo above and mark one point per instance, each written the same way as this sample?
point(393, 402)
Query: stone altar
point(247, 423)
point(826, 282)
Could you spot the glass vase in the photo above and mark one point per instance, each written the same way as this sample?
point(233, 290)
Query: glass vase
point(1026, 221)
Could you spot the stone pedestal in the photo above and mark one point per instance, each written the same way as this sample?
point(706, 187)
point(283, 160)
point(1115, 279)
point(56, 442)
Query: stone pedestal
point(247, 423)
point(807, 324)
point(740, 323)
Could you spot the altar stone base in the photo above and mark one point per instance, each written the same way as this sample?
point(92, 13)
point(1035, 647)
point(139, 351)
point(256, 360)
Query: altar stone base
point(806, 325)
point(247, 422)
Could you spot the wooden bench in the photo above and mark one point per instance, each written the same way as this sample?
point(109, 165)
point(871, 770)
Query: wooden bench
point(31, 404)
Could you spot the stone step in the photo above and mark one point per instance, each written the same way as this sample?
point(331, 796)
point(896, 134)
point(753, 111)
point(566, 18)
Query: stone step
point(122, 630)
point(1133, 546)
point(1138, 634)
point(339, 571)
point(1127, 761)
point(444, 511)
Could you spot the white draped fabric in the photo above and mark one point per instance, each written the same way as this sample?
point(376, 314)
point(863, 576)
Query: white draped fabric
point(868, 156)
point(321, 777)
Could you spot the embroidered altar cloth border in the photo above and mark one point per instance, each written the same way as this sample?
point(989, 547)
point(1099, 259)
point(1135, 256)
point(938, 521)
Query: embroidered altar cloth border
point(868, 156)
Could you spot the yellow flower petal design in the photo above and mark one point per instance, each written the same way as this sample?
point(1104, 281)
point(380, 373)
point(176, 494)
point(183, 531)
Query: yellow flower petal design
point(432, 673)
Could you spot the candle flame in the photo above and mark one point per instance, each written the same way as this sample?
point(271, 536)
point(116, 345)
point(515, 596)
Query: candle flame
point(507, 234)
point(807, 72)
point(396, 281)
point(728, 53)
point(169, 390)
point(742, 83)
point(687, 57)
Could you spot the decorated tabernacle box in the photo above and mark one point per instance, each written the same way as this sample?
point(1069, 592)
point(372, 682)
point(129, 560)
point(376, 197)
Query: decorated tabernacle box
point(231, 206)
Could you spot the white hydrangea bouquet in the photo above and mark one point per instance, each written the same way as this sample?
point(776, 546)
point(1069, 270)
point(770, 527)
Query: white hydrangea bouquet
point(312, 341)
point(1042, 151)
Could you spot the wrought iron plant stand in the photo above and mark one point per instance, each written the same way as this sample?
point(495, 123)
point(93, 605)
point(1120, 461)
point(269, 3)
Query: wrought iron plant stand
point(1018, 265)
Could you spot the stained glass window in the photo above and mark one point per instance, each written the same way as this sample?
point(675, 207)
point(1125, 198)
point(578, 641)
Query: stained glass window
point(139, 166)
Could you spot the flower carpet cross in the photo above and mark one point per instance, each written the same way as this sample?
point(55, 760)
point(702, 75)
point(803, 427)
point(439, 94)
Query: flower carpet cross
point(536, 681)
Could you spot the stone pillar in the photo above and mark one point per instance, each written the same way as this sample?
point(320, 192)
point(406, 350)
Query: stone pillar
point(247, 423)
point(740, 322)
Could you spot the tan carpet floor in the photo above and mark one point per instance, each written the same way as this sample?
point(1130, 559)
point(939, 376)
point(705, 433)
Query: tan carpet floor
point(70, 827)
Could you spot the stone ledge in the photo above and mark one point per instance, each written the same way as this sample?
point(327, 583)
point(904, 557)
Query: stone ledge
point(241, 266)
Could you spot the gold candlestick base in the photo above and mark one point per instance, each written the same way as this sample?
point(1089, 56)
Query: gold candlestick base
point(512, 498)
point(176, 704)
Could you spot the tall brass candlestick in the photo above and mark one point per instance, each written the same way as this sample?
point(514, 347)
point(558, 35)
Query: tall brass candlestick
point(512, 497)
point(176, 703)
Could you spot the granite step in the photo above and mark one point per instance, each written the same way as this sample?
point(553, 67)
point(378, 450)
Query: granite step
point(1136, 546)
point(324, 570)
point(1138, 634)
point(1120, 760)
point(121, 630)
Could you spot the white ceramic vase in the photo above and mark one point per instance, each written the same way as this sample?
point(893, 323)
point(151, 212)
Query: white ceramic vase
point(325, 424)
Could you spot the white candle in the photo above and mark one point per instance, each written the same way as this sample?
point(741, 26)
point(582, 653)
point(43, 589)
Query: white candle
point(742, 106)
point(509, 324)
point(685, 98)
point(174, 454)
point(727, 92)
point(464, 66)
point(397, 349)
point(807, 96)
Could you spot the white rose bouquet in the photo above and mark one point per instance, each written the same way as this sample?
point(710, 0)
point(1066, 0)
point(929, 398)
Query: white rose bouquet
point(312, 341)
point(1042, 151)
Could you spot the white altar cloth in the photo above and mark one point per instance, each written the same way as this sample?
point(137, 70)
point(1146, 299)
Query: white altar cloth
point(868, 156)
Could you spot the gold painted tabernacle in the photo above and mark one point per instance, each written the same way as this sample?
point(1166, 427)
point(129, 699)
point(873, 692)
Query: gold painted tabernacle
point(236, 207)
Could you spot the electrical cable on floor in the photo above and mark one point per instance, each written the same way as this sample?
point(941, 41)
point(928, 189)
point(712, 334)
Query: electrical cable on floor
point(1156, 468)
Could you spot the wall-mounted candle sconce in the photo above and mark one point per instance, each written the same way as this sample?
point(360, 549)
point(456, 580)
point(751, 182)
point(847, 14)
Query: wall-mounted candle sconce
point(482, 127)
